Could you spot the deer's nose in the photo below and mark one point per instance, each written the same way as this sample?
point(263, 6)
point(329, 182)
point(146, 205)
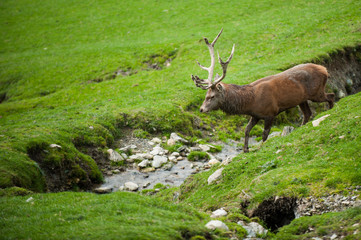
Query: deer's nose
point(201, 110)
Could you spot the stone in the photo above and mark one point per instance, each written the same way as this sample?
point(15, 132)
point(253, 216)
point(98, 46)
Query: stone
point(30, 199)
point(103, 190)
point(287, 130)
point(317, 122)
point(156, 140)
point(177, 138)
point(134, 157)
point(213, 161)
point(216, 224)
point(145, 185)
point(253, 229)
point(180, 158)
point(116, 171)
point(114, 156)
point(149, 169)
point(158, 161)
point(55, 145)
point(226, 161)
point(175, 154)
point(204, 147)
point(171, 142)
point(172, 159)
point(274, 134)
point(131, 186)
point(341, 94)
point(219, 213)
point(121, 188)
point(157, 151)
point(195, 149)
point(168, 166)
point(144, 163)
point(215, 176)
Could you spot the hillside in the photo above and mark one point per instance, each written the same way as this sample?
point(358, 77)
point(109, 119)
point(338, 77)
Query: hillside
point(81, 75)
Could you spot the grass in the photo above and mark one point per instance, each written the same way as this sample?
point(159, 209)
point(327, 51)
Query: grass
point(123, 215)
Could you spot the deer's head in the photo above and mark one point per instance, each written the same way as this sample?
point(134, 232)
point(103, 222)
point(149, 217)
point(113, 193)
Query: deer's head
point(214, 86)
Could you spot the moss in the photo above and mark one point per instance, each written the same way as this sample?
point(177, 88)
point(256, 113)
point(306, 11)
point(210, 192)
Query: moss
point(197, 156)
point(140, 133)
point(14, 191)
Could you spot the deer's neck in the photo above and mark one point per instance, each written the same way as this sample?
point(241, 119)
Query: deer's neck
point(237, 99)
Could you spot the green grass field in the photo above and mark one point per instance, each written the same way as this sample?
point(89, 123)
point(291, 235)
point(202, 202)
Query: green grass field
point(63, 80)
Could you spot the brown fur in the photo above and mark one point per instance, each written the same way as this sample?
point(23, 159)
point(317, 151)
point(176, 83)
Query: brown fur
point(267, 97)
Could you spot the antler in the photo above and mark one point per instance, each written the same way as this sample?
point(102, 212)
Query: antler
point(207, 83)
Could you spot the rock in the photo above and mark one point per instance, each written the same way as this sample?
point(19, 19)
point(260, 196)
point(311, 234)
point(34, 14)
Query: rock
point(134, 157)
point(278, 151)
point(145, 185)
point(194, 149)
point(204, 147)
point(121, 188)
point(216, 224)
point(177, 138)
point(219, 213)
point(317, 122)
point(143, 163)
point(213, 161)
point(55, 145)
point(103, 190)
point(334, 236)
point(157, 151)
point(156, 140)
point(172, 159)
point(274, 134)
point(226, 161)
point(215, 176)
point(171, 142)
point(116, 171)
point(158, 161)
point(168, 166)
point(175, 154)
point(180, 158)
point(341, 94)
point(131, 186)
point(149, 169)
point(114, 156)
point(287, 130)
point(30, 199)
point(253, 229)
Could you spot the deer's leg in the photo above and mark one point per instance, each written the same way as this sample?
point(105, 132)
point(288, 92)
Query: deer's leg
point(252, 122)
point(330, 99)
point(267, 127)
point(306, 112)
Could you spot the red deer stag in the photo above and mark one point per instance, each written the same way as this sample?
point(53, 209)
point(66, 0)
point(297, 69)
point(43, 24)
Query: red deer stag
point(266, 97)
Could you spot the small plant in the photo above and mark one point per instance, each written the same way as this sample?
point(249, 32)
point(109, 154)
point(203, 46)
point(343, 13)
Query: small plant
point(140, 133)
point(197, 156)
point(215, 148)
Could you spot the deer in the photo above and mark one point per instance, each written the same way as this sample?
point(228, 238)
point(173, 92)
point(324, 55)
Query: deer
point(265, 98)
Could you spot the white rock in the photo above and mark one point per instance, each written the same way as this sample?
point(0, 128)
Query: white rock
point(216, 224)
point(274, 134)
point(157, 151)
point(172, 158)
point(171, 142)
point(55, 145)
point(317, 122)
point(215, 176)
point(334, 236)
point(341, 94)
point(287, 130)
point(180, 158)
point(156, 140)
point(114, 156)
point(278, 151)
point(219, 213)
point(253, 229)
point(158, 161)
point(131, 186)
point(226, 161)
point(30, 199)
point(175, 154)
point(204, 147)
point(213, 161)
point(177, 138)
point(121, 188)
point(144, 163)
point(103, 190)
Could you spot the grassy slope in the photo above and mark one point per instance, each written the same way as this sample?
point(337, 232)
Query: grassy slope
point(313, 161)
point(88, 216)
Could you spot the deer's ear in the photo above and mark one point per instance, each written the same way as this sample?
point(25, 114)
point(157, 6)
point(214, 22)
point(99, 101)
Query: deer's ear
point(219, 87)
